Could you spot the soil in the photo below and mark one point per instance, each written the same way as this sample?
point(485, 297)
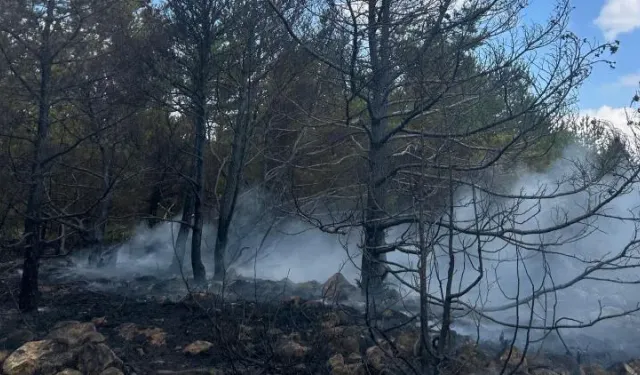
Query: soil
point(167, 318)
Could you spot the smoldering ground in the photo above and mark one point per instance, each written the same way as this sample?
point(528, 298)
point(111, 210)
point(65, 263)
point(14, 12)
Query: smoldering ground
point(514, 267)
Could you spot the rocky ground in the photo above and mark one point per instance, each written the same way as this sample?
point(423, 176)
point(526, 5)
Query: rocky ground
point(150, 325)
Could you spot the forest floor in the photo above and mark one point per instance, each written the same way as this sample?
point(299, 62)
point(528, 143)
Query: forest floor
point(151, 331)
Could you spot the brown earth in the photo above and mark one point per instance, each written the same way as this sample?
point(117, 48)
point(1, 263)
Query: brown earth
point(82, 331)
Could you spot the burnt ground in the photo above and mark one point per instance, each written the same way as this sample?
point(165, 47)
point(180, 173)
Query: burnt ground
point(245, 333)
point(246, 327)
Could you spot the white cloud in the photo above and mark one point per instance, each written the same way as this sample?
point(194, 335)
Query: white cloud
point(618, 118)
point(618, 16)
point(629, 80)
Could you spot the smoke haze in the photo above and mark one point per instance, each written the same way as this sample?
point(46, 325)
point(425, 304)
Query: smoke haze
point(296, 250)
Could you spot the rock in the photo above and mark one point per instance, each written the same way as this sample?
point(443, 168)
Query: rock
point(337, 288)
point(198, 347)
point(274, 332)
point(405, 342)
point(287, 347)
point(74, 333)
point(99, 321)
point(245, 333)
point(112, 371)
point(339, 367)
point(593, 369)
point(69, 371)
point(513, 356)
point(632, 367)
point(626, 368)
point(155, 336)
point(336, 360)
point(16, 339)
point(45, 356)
point(95, 358)
point(194, 371)
point(375, 358)
point(334, 319)
point(546, 371)
point(469, 358)
point(354, 358)
point(3, 355)
point(295, 301)
point(343, 339)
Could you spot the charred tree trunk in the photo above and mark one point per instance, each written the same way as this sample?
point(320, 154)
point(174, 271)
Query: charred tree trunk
point(104, 208)
point(154, 201)
point(183, 233)
point(28, 299)
point(199, 272)
point(236, 165)
point(374, 255)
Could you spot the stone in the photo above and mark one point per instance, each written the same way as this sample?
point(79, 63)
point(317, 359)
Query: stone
point(99, 321)
point(245, 332)
point(194, 371)
point(3, 355)
point(375, 357)
point(343, 339)
point(295, 301)
point(513, 356)
point(274, 332)
point(95, 337)
point(632, 367)
point(198, 347)
point(334, 319)
point(336, 361)
point(112, 371)
point(286, 347)
point(74, 333)
point(469, 357)
point(405, 342)
point(593, 369)
point(155, 336)
point(337, 288)
point(545, 371)
point(69, 371)
point(95, 358)
point(338, 366)
point(44, 356)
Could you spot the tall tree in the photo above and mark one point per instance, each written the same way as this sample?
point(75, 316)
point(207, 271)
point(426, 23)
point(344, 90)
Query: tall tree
point(258, 46)
point(434, 99)
point(187, 62)
point(42, 42)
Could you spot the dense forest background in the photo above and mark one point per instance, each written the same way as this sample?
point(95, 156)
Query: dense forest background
point(359, 114)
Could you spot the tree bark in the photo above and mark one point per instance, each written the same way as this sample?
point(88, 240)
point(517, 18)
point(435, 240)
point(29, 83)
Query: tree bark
point(373, 270)
point(100, 226)
point(236, 165)
point(199, 272)
point(154, 203)
point(183, 233)
point(28, 298)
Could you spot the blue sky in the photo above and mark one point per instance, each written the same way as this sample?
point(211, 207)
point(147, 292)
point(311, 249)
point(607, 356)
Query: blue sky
point(609, 20)
point(607, 93)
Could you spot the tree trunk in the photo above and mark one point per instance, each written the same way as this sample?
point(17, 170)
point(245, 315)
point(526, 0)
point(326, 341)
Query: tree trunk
point(28, 298)
point(154, 201)
point(235, 168)
point(99, 257)
point(183, 233)
point(199, 272)
point(373, 270)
